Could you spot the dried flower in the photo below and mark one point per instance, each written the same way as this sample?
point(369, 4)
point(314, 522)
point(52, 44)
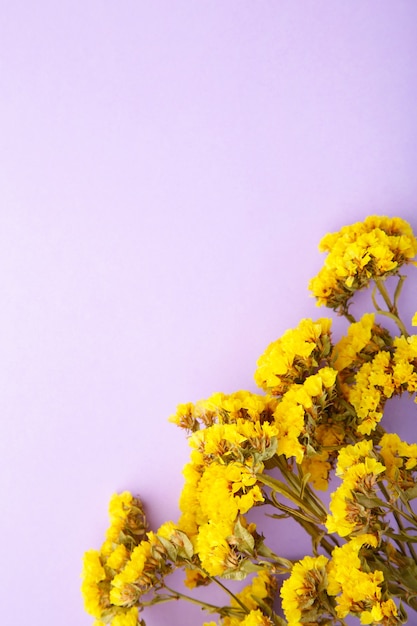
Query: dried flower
point(320, 419)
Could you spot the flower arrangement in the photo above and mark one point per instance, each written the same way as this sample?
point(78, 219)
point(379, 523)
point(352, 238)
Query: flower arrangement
point(317, 422)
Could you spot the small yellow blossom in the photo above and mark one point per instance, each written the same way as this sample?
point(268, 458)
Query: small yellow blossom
point(360, 470)
point(221, 408)
point(347, 350)
point(256, 618)
point(216, 555)
point(373, 385)
point(352, 455)
point(118, 557)
point(318, 467)
point(129, 618)
point(119, 505)
point(195, 578)
point(357, 591)
point(400, 459)
point(300, 593)
point(95, 595)
point(300, 404)
point(93, 569)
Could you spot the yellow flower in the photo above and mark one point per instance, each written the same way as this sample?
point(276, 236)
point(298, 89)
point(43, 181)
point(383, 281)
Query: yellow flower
point(318, 467)
point(93, 569)
point(221, 408)
point(294, 356)
point(414, 319)
point(359, 469)
point(256, 618)
point(352, 455)
point(184, 417)
point(300, 593)
point(400, 459)
point(376, 247)
point(301, 404)
point(118, 557)
point(328, 376)
point(261, 588)
point(347, 350)
point(125, 589)
point(226, 490)
point(289, 418)
point(373, 385)
point(95, 602)
point(119, 505)
point(379, 611)
point(217, 440)
point(216, 555)
point(94, 594)
point(195, 578)
point(405, 348)
point(129, 618)
point(313, 385)
point(358, 591)
point(167, 530)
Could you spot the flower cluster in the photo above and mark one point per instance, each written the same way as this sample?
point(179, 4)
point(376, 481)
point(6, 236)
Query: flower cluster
point(390, 372)
point(130, 563)
point(351, 503)
point(318, 419)
point(294, 357)
point(364, 251)
point(127, 528)
point(358, 591)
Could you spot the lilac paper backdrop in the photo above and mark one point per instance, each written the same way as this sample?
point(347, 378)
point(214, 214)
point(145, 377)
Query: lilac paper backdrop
point(167, 170)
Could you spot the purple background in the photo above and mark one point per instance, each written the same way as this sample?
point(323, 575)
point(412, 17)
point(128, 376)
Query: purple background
point(167, 171)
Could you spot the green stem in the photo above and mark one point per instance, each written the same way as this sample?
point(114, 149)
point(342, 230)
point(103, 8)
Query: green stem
point(230, 593)
point(391, 306)
point(396, 516)
point(311, 496)
point(385, 295)
point(398, 289)
point(309, 525)
point(287, 509)
point(177, 595)
point(412, 552)
point(350, 318)
point(410, 518)
point(412, 514)
point(315, 506)
point(278, 486)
